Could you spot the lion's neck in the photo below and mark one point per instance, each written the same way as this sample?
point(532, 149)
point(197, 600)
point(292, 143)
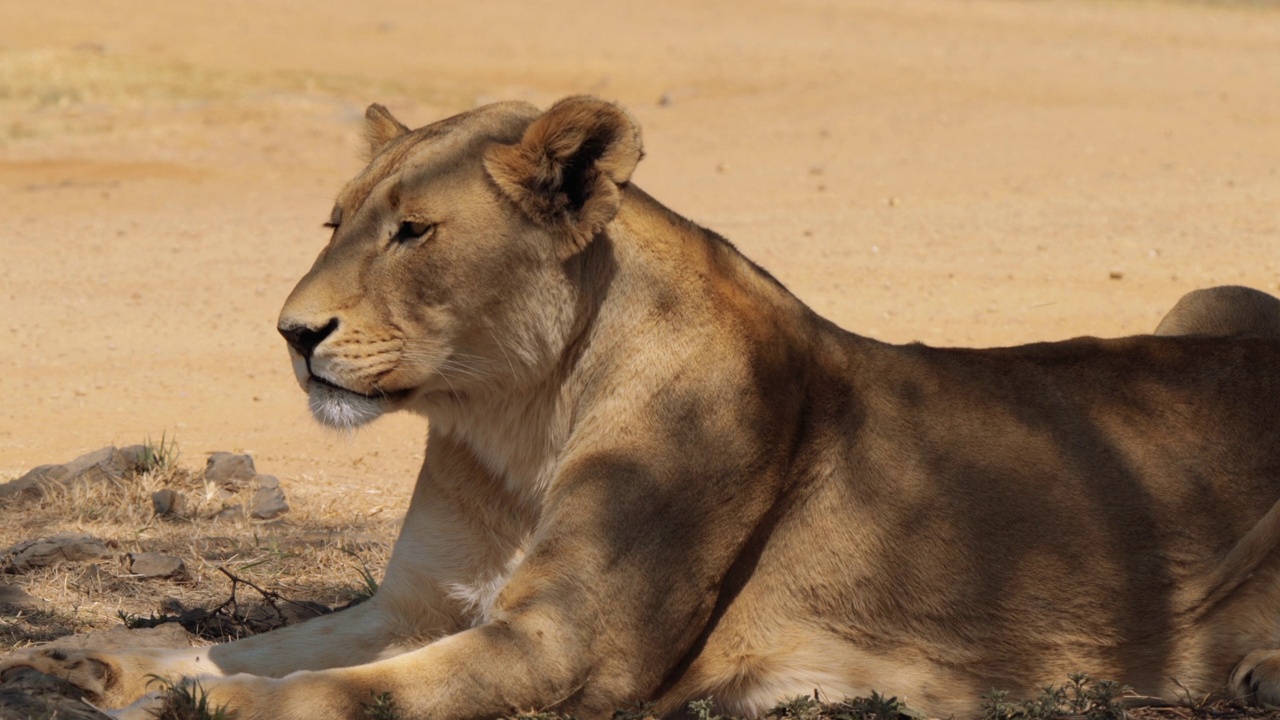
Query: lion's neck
point(516, 436)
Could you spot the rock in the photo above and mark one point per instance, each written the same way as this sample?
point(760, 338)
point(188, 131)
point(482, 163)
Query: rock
point(268, 499)
point(156, 565)
point(168, 503)
point(83, 463)
point(115, 462)
point(14, 598)
point(106, 463)
point(226, 468)
point(30, 483)
point(63, 547)
point(226, 474)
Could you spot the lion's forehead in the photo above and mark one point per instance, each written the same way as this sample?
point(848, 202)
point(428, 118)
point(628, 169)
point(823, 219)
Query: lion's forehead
point(442, 144)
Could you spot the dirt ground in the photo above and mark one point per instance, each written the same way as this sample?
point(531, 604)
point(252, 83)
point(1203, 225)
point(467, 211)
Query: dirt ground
point(969, 173)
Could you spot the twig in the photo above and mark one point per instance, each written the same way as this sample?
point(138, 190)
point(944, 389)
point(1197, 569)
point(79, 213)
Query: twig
point(267, 595)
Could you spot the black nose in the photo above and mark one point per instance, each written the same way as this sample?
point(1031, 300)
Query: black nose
point(305, 339)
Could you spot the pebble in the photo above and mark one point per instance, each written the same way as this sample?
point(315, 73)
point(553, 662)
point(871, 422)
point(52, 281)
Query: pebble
point(168, 503)
point(156, 565)
point(225, 467)
point(268, 499)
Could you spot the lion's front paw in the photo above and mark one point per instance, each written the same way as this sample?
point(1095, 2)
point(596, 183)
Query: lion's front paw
point(100, 676)
point(1257, 678)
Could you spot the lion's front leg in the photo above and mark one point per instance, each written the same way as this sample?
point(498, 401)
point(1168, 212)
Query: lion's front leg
point(590, 621)
point(388, 624)
point(490, 671)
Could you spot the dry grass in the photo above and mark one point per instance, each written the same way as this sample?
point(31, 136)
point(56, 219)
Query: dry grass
point(317, 552)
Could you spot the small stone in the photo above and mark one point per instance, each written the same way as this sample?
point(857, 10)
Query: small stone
point(14, 598)
point(59, 548)
point(268, 499)
point(168, 503)
point(156, 565)
point(1116, 275)
point(665, 100)
point(225, 467)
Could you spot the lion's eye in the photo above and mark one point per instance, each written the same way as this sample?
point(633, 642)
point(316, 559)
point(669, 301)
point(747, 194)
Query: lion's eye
point(412, 230)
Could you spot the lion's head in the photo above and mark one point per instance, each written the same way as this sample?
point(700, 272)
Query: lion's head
point(452, 267)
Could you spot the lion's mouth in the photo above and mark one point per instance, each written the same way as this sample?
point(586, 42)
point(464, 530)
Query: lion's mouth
point(307, 375)
point(341, 407)
point(382, 395)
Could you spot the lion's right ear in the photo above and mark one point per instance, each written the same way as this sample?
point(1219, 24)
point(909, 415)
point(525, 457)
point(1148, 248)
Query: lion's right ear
point(381, 128)
point(566, 171)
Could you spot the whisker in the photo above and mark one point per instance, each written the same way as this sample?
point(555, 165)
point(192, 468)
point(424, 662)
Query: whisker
point(498, 341)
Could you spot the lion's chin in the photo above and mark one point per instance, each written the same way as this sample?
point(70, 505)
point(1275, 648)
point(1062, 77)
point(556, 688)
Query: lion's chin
point(342, 409)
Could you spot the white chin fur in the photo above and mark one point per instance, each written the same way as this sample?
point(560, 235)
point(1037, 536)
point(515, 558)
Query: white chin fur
point(341, 409)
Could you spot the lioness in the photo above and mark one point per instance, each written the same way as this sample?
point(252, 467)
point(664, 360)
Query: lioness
point(1224, 310)
point(654, 474)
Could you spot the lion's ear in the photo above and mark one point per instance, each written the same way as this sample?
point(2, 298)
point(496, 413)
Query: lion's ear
point(567, 169)
point(380, 128)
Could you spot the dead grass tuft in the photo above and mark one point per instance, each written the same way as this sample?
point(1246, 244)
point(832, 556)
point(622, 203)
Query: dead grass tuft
point(242, 576)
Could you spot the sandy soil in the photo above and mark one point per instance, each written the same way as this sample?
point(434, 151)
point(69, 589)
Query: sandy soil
point(952, 172)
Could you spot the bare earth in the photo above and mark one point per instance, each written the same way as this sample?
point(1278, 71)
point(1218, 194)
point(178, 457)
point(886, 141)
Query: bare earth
point(971, 173)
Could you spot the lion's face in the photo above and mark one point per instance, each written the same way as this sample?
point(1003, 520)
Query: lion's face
point(447, 271)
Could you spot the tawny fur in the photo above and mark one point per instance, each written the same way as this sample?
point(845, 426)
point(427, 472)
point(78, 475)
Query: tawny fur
point(380, 129)
point(654, 474)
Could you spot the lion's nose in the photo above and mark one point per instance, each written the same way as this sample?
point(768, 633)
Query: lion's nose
point(304, 338)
